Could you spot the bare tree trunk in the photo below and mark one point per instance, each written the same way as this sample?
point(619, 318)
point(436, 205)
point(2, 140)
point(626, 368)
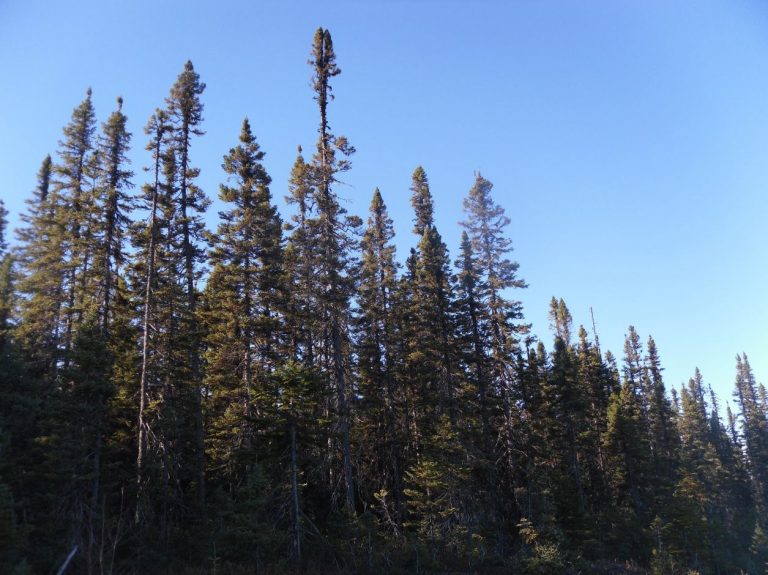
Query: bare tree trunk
point(150, 278)
point(295, 507)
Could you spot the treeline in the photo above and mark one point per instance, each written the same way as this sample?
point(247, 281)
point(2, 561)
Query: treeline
point(276, 397)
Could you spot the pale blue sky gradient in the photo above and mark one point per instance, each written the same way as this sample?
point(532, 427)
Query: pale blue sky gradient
point(628, 141)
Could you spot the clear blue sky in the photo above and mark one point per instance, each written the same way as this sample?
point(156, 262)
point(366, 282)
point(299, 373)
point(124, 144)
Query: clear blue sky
point(628, 141)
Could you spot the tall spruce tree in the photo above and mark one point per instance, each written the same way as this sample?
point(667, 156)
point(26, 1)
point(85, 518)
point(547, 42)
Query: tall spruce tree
point(185, 111)
point(334, 245)
point(486, 224)
point(300, 258)
point(380, 404)
point(73, 183)
point(432, 331)
point(243, 298)
point(755, 429)
point(41, 261)
point(115, 204)
point(473, 336)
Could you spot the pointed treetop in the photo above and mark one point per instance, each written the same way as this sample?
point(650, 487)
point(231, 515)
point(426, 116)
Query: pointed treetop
point(246, 135)
point(560, 319)
point(421, 200)
point(377, 201)
point(184, 99)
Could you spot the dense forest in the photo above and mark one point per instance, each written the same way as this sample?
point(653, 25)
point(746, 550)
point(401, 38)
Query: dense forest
point(287, 396)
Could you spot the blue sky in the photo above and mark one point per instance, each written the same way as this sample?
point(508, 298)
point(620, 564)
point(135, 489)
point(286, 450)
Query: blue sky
point(628, 141)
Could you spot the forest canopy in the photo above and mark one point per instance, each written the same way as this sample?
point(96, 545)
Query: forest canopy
point(280, 396)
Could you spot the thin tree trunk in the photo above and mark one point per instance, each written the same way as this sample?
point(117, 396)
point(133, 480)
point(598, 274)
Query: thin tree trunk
point(295, 507)
point(194, 356)
point(150, 278)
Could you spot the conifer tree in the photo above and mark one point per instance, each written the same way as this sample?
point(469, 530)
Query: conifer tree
point(486, 224)
point(334, 243)
point(755, 429)
point(242, 301)
point(115, 205)
point(664, 440)
point(568, 415)
point(473, 334)
point(421, 200)
point(300, 259)
point(381, 404)
point(75, 175)
point(185, 111)
point(626, 461)
point(633, 362)
point(42, 266)
point(431, 352)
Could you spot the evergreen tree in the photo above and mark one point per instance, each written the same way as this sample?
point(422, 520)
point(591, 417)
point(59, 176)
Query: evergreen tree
point(567, 424)
point(334, 243)
point(473, 336)
point(115, 205)
point(380, 405)
point(42, 268)
point(185, 112)
point(486, 224)
point(664, 441)
point(242, 301)
point(74, 185)
point(421, 200)
point(300, 258)
point(755, 429)
point(626, 462)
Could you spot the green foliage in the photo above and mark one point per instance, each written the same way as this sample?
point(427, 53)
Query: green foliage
point(231, 402)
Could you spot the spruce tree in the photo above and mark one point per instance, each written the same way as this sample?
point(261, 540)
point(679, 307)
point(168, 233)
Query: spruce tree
point(431, 351)
point(334, 243)
point(185, 111)
point(755, 429)
point(242, 300)
point(300, 259)
point(74, 178)
point(473, 335)
point(568, 416)
point(115, 204)
point(501, 315)
point(421, 200)
point(380, 406)
point(42, 269)
point(664, 440)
